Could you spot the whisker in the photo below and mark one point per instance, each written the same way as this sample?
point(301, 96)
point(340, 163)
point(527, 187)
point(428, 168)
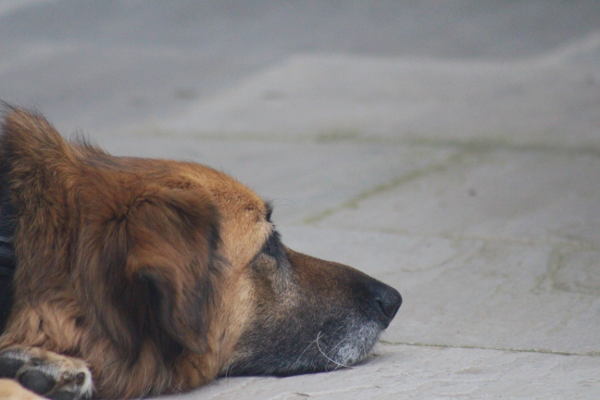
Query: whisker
point(304, 351)
point(338, 364)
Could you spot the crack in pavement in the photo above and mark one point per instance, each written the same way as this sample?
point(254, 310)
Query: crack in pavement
point(394, 183)
point(505, 349)
point(465, 149)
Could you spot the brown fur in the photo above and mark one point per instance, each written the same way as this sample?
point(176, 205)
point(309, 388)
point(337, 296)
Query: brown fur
point(137, 266)
point(146, 228)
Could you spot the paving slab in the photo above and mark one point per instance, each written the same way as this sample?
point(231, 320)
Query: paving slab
point(532, 196)
point(547, 99)
point(408, 372)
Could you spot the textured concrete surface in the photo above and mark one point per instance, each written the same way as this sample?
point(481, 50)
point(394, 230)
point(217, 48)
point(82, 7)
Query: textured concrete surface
point(451, 149)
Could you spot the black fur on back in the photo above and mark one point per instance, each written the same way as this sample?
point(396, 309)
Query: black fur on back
point(7, 258)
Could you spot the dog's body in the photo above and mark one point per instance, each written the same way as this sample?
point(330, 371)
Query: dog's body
point(156, 276)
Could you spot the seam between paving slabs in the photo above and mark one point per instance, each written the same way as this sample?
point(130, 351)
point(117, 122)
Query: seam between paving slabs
point(506, 349)
point(328, 137)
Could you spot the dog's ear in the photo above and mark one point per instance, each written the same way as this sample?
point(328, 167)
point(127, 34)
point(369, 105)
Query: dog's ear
point(149, 265)
point(141, 255)
point(34, 157)
point(37, 167)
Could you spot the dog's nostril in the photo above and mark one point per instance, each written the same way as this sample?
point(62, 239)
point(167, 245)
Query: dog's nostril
point(382, 301)
point(386, 301)
point(389, 304)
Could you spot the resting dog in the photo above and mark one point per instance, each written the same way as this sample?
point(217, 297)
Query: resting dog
point(133, 277)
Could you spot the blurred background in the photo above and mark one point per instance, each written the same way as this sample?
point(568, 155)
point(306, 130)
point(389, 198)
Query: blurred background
point(449, 148)
point(102, 65)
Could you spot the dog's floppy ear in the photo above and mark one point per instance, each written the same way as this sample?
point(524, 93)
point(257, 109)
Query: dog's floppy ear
point(37, 167)
point(149, 264)
point(141, 255)
point(34, 157)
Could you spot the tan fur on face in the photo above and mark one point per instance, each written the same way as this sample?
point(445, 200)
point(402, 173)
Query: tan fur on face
point(243, 225)
point(103, 242)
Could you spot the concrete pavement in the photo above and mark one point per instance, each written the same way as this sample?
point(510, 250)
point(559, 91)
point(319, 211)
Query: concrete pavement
point(450, 149)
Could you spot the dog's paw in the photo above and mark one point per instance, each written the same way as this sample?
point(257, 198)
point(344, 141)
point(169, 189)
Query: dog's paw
point(46, 373)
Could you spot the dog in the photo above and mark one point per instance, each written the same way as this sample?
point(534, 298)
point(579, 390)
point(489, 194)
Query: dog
point(129, 277)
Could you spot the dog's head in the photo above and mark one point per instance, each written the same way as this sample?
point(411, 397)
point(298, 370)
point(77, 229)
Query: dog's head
point(174, 259)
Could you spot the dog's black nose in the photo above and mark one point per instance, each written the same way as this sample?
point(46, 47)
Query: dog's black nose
point(385, 300)
point(389, 303)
